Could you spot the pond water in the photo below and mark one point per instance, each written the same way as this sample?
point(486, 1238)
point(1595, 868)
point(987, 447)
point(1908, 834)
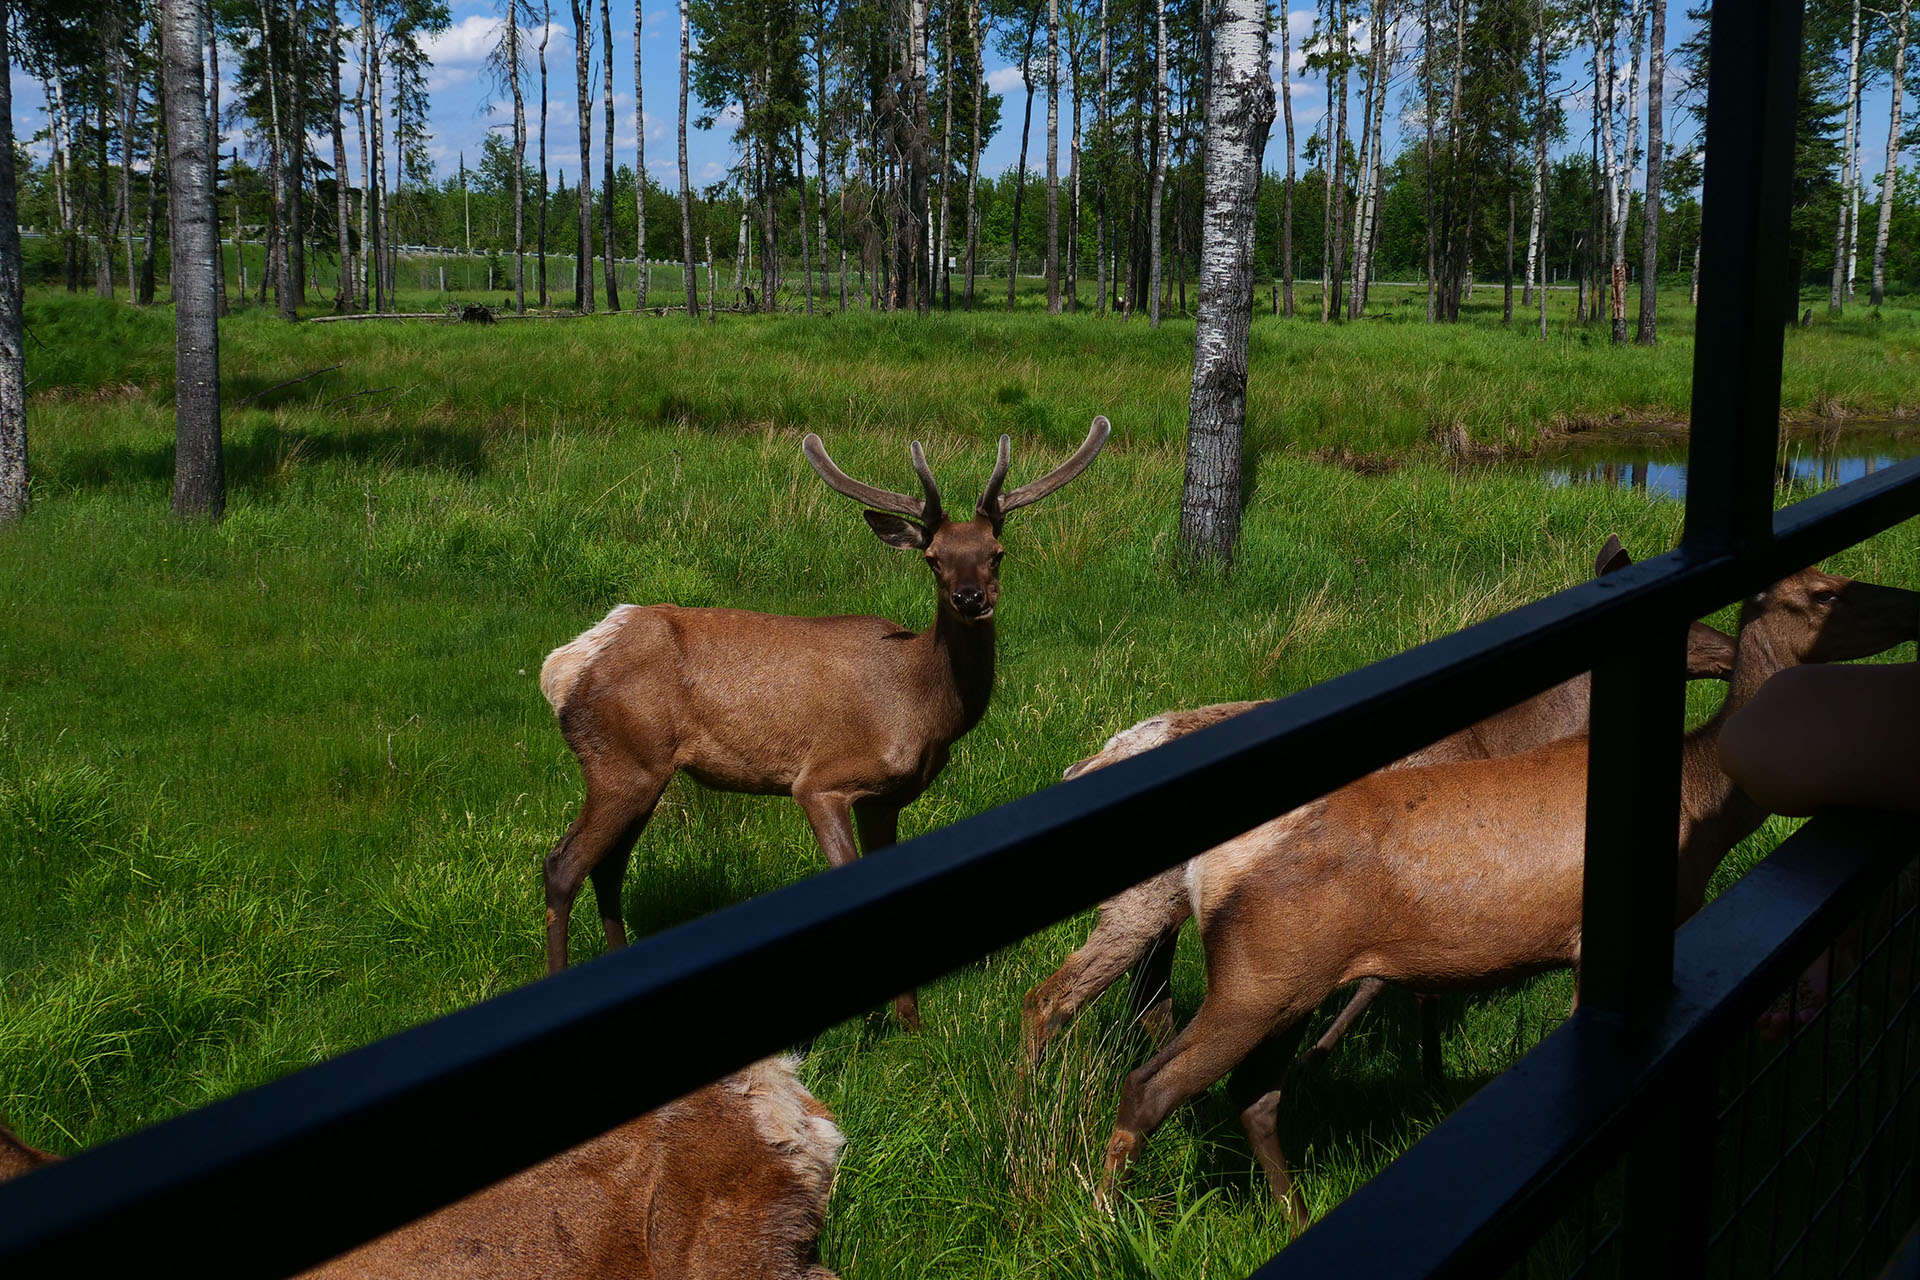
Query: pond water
point(1656, 462)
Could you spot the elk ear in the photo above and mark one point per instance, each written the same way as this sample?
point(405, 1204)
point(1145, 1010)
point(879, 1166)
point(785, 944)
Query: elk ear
point(897, 531)
point(1613, 556)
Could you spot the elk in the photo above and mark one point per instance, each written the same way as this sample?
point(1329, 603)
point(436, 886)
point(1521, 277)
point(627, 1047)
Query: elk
point(1139, 927)
point(848, 715)
point(731, 1180)
point(1447, 877)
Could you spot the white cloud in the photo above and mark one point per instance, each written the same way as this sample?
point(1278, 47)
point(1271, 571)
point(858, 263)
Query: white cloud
point(711, 171)
point(1005, 80)
point(466, 43)
point(444, 78)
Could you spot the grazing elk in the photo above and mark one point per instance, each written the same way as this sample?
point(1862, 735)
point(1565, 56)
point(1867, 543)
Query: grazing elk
point(1139, 927)
point(846, 714)
point(727, 1183)
point(1449, 877)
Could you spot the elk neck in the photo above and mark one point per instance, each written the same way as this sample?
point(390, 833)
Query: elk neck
point(960, 655)
point(1715, 815)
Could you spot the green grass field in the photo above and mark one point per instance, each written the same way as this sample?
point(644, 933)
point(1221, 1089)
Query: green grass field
point(278, 787)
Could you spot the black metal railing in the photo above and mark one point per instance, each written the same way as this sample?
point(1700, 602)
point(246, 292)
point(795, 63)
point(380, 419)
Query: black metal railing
point(296, 1171)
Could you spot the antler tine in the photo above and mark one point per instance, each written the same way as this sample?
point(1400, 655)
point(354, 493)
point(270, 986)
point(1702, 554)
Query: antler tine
point(1034, 490)
point(883, 499)
point(930, 517)
point(989, 504)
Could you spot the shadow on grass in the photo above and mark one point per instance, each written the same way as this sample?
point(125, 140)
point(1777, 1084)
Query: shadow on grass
point(267, 456)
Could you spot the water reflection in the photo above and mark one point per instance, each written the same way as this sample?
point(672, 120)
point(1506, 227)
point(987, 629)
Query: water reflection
point(1661, 470)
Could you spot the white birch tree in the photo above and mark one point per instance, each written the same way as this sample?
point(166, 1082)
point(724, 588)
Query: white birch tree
point(1901, 25)
point(1240, 111)
point(199, 476)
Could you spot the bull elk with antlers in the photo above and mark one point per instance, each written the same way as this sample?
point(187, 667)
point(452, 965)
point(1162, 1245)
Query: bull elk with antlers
point(851, 716)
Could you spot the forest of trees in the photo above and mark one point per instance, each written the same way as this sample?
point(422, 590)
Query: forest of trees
point(857, 133)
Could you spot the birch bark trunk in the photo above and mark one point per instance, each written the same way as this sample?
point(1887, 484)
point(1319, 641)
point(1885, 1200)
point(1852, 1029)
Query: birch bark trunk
point(1076, 55)
point(1157, 198)
point(806, 243)
point(686, 190)
point(1650, 243)
point(1240, 111)
point(129, 96)
point(917, 163)
point(1887, 174)
point(1102, 232)
point(639, 168)
point(1540, 153)
point(199, 478)
point(519, 159)
point(583, 108)
point(343, 296)
point(608, 252)
point(540, 254)
point(1837, 294)
point(1053, 148)
point(978, 31)
point(13, 380)
point(1623, 182)
point(942, 248)
point(276, 158)
point(1286, 192)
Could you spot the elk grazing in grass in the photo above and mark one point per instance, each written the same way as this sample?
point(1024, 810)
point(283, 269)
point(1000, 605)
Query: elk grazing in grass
point(1449, 877)
point(1139, 927)
point(730, 1181)
point(848, 715)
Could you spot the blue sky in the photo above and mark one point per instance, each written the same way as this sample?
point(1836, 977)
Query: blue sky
point(466, 102)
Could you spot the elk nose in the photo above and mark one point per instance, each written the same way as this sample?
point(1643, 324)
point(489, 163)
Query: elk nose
point(969, 600)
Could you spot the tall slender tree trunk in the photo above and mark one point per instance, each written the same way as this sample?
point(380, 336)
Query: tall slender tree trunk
point(945, 249)
point(917, 161)
point(639, 169)
point(129, 96)
point(1157, 198)
point(343, 296)
point(1650, 241)
point(213, 164)
point(296, 160)
point(199, 477)
point(149, 245)
point(1506, 303)
point(583, 93)
point(1623, 179)
point(977, 35)
point(546, 31)
point(13, 375)
point(1880, 237)
point(1102, 231)
point(1020, 174)
point(1540, 150)
point(1240, 110)
point(1076, 59)
point(1427, 84)
point(1053, 147)
point(1843, 232)
point(1356, 235)
point(1337, 275)
point(373, 200)
point(686, 187)
point(806, 245)
point(1286, 191)
point(519, 159)
point(609, 254)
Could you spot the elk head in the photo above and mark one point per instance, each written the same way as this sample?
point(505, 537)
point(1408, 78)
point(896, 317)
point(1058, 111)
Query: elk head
point(1812, 616)
point(964, 555)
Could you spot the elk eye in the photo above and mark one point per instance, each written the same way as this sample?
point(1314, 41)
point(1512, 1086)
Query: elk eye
point(1825, 596)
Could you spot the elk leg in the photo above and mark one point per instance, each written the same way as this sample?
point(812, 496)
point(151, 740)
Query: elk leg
point(1255, 1089)
point(1151, 997)
point(1365, 992)
point(603, 831)
point(1129, 923)
point(879, 827)
point(1226, 1028)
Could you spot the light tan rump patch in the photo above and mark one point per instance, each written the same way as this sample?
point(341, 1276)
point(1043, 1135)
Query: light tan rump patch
point(565, 665)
